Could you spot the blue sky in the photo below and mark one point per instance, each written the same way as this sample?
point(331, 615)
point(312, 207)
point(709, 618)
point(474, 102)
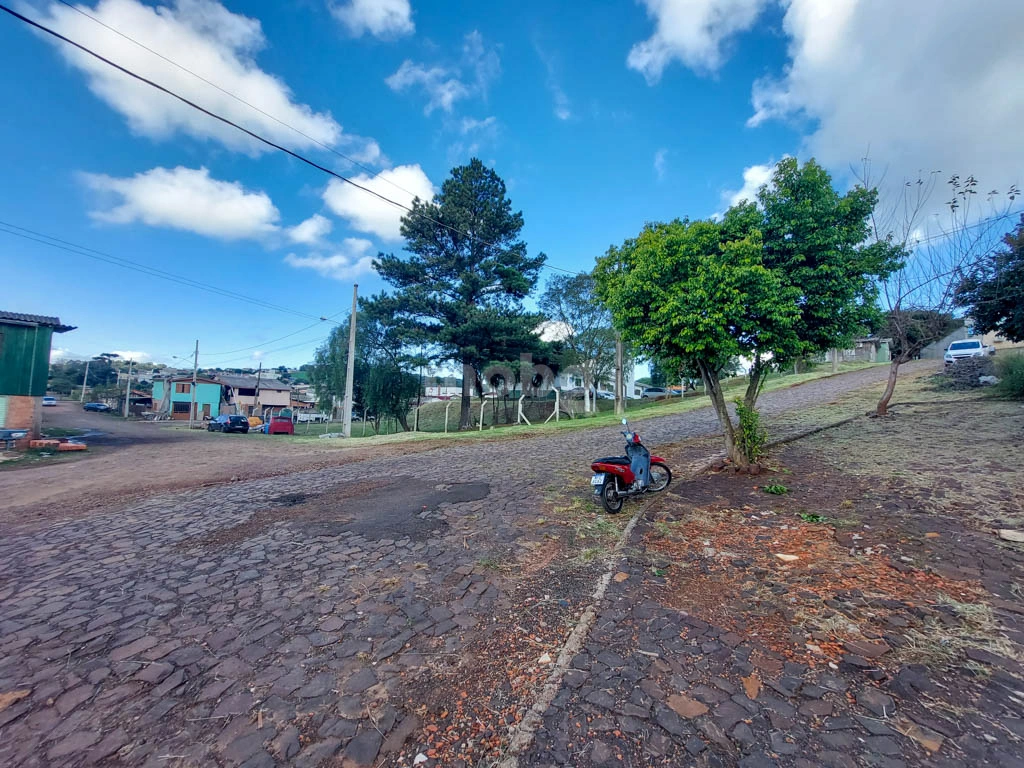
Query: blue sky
point(598, 116)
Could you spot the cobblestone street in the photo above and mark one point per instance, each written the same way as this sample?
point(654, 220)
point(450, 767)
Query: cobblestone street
point(295, 620)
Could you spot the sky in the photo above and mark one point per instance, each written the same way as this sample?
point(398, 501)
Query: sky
point(600, 117)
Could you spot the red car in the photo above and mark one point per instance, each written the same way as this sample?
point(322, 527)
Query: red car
point(279, 425)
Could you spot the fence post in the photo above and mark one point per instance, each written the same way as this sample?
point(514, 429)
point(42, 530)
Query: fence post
point(558, 400)
point(522, 416)
point(483, 402)
point(449, 405)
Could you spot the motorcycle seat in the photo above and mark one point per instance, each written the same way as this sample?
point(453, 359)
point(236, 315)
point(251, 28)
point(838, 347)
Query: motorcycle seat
point(613, 460)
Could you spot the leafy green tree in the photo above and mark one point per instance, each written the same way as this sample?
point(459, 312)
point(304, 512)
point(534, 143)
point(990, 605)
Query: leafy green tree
point(993, 293)
point(461, 286)
point(329, 369)
point(583, 327)
point(817, 242)
point(696, 293)
point(383, 384)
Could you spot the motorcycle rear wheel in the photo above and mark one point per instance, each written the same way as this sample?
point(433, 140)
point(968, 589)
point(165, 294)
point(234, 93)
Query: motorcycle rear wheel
point(661, 476)
point(610, 499)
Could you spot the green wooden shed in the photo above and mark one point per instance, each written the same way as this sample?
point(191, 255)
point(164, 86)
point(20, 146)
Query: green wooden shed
point(25, 352)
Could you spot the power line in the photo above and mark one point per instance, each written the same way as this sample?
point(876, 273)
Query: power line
point(272, 341)
point(81, 250)
point(252, 134)
point(236, 97)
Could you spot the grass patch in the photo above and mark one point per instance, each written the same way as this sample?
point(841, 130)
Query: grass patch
point(776, 489)
point(940, 645)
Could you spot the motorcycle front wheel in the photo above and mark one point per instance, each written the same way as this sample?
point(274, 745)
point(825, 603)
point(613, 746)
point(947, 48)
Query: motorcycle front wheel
point(661, 476)
point(610, 498)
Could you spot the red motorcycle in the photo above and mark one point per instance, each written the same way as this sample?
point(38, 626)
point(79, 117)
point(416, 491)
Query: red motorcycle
point(615, 478)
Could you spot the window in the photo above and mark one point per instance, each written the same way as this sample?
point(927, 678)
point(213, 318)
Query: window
point(183, 386)
point(181, 407)
point(964, 345)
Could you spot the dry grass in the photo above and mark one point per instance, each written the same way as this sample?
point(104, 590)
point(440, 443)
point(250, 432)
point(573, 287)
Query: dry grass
point(940, 645)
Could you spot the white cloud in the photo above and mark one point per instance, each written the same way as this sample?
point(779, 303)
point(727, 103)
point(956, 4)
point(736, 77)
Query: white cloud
point(474, 135)
point(367, 213)
point(310, 231)
point(187, 199)
point(131, 354)
point(442, 86)
point(385, 19)
point(446, 85)
point(659, 163)
point(562, 108)
point(482, 62)
point(354, 258)
point(921, 86)
point(754, 177)
point(216, 44)
point(692, 31)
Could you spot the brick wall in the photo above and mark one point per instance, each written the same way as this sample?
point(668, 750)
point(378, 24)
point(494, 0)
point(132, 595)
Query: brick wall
point(24, 412)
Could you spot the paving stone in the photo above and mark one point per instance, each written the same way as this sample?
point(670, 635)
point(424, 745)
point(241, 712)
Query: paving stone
point(107, 746)
point(320, 685)
point(362, 750)
point(781, 745)
point(876, 702)
point(286, 744)
point(360, 681)
point(832, 759)
point(74, 744)
point(742, 734)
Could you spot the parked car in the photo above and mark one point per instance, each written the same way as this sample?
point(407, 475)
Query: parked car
point(49, 400)
point(279, 425)
point(655, 393)
point(315, 418)
point(601, 395)
point(99, 407)
point(228, 424)
point(958, 350)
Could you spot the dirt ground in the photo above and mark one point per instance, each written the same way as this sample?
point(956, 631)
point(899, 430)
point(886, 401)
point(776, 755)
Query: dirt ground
point(868, 553)
point(133, 459)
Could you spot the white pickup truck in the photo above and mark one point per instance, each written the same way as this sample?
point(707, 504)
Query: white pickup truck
point(315, 418)
point(958, 350)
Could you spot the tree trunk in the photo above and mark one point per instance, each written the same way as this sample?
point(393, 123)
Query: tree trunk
point(466, 411)
point(890, 386)
point(714, 389)
point(403, 419)
point(586, 391)
point(755, 380)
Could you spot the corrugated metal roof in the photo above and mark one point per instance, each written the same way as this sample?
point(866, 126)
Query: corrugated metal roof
point(241, 381)
point(21, 317)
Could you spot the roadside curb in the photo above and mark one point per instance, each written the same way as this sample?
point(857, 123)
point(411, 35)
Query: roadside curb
point(522, 735)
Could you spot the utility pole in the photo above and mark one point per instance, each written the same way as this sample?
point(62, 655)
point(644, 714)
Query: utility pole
point(195, 375)
point(350, 368)
point(620, 384)
point(85, 381)
point(256, 398)
point(128, 389)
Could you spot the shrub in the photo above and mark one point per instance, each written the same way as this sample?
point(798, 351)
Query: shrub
point(1010, 371)
point(751, 436)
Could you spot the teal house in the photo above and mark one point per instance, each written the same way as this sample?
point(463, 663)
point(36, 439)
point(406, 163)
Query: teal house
point(173, 397)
